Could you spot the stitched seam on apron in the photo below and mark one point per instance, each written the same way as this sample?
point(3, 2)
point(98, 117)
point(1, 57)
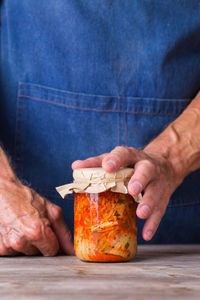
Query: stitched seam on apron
point(118, 127)
point(125, 122)
point(44, 87)
point(22, 126)
point(17, 122)
point(96, 109)
point(19, 127)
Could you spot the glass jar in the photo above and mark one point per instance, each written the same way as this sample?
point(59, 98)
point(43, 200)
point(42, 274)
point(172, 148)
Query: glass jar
point(105, 226)
point(105, 223)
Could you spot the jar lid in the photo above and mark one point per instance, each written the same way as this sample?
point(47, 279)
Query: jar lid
point(96, 180)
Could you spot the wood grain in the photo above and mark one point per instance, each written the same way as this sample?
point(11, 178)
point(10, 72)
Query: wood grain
point(157, 272)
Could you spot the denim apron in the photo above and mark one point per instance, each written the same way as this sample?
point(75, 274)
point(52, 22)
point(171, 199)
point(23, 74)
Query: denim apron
point(81, 77)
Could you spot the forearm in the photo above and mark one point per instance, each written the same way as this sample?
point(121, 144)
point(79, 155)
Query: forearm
point(6, 171)
point(180, 142)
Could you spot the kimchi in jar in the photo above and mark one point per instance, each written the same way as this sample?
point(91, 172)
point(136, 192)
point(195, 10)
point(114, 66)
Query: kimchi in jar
point(105, 223)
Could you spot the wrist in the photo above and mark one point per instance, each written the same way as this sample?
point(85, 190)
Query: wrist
point(179, 143)
point(165, 148)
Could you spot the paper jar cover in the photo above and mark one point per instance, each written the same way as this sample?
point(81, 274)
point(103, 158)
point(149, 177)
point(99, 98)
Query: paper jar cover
point(96, 180)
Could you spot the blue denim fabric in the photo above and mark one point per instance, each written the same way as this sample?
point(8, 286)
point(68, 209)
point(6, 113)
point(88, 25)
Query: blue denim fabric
point(81, 77)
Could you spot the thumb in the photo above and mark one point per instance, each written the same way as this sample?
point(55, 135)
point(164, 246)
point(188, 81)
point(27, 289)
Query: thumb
point(61, 230)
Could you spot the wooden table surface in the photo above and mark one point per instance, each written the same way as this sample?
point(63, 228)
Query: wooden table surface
point(157, 272)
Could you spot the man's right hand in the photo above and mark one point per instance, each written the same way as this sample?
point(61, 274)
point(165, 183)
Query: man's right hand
point(29, 223)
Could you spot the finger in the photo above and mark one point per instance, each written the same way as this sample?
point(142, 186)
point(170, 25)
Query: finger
point(47, 242)
point(144, 173)
point(152, 208)
point(38, 232)
point(5, 251)
point(120, 157)
point(151, 224)
point(19, 244)
point(90, 162)
point(150, 201)
point(63, 234)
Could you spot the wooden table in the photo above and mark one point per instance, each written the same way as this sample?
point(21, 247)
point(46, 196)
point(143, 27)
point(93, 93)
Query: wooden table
point(158, 272)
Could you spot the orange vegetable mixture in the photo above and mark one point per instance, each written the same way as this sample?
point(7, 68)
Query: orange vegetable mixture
point(105, 226)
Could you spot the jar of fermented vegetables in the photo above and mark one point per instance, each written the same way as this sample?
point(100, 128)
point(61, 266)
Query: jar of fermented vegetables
point(105, 223)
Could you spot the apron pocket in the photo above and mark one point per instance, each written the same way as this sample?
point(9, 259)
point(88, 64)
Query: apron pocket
point(56, 127)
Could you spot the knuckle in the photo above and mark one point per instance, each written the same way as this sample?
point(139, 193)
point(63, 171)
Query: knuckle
point(123, 153)
point(16, 242)
point(3, 249)
point(56, 212)
point(142, 176)
point(151, 200)
point(27, 192)
point(144, 172)
point(120, 149)
point(35, 234)
point(148, 165)
point(35, 230)
point(159, 210)
point(133, 151)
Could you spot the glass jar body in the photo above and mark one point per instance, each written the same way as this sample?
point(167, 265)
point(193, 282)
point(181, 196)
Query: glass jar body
point(105, 226)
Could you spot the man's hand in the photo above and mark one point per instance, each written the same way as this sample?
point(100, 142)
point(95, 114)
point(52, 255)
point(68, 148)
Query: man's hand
point(29, 224)
point(160, 167)
point(153, 175)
